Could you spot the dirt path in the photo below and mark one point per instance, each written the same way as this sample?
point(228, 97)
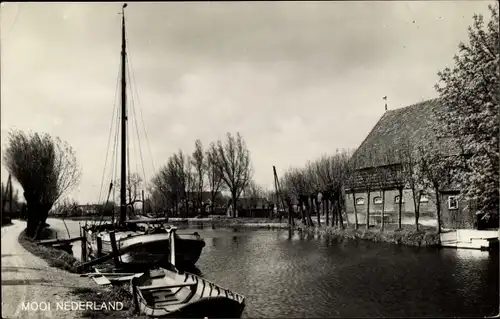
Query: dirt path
point(27, 279)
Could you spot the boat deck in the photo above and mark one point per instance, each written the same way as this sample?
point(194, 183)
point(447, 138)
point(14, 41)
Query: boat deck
point(469, 239)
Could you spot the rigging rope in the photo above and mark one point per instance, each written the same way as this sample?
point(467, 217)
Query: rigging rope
point(109, 136)
point(114, 172)
point(138, 137)
point(129, 58)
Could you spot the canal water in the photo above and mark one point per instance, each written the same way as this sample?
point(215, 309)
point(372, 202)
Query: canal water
point(303, 276)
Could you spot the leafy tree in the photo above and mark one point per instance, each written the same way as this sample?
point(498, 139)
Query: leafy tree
point(470, 91)
point(434, 172)
point(46, 168)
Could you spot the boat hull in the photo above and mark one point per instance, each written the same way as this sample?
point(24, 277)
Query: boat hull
point(189, 248)
point(169, 294)
point(147, 249)
point(211, 307)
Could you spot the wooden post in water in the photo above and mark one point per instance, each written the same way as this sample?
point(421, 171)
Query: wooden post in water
point(114, 248)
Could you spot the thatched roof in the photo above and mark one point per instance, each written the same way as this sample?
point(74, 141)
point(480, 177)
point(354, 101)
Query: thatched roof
point(413, 124)
point(398, 129)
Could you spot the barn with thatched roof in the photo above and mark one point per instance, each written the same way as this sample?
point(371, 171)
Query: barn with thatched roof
point(377, 166)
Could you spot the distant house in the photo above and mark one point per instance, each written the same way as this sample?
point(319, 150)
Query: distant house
point(413, 123)
point(251, 207)
point(89, 209)
point(206, 197)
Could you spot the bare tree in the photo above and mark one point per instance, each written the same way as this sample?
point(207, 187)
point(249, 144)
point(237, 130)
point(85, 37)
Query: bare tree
point(134, 181)
point(315, 186)
point(409, 161)
point(395, 173)
point(191, 185)
point(332, 174)
point(46, 168)
point(382, 178)
point(233, 161)
point(200, 167)
point(214, 175)
point(352, 177)
point(295, 183)
point(368, 176)
point(173, 180)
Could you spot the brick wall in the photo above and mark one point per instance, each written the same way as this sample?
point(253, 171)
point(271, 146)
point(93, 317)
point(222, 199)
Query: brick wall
point(391, 207)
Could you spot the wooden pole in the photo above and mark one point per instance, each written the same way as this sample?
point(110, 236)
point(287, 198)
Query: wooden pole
point(134, 293)
point(172, 247)
point(142, 193)
point(10, 196)
point(99, 247)
point(114, 248)
point(83, 235)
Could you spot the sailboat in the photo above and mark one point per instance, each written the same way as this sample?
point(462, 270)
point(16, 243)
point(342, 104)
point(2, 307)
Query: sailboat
point(135, 246)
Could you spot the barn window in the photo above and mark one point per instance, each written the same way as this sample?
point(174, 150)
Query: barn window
point(377, 200)
point(424, 199)
point(360, 201)
point(452, 202)
point(397, 198)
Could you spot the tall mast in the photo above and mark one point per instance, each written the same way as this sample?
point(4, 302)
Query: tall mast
point(123, 193)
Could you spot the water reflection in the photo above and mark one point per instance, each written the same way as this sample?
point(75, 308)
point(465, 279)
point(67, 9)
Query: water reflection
point(471, 254)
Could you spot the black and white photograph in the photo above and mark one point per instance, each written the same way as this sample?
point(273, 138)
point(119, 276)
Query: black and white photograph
point(250, 159)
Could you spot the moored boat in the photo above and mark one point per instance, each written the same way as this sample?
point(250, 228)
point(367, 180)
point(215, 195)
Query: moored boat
point(172, 294)
point(144, 248)
point(134, 246)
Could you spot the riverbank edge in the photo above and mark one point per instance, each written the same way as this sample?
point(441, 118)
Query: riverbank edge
point(228, 222)
point(407, 236)
point(425, 237)
point(62, 260)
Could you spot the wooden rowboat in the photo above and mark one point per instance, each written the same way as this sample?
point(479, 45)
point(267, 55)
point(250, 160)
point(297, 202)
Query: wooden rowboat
point(170, 294)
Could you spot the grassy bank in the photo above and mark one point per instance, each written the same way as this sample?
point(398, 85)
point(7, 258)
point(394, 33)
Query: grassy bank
point(425, 237)
point(54, 257)
point(223, 221)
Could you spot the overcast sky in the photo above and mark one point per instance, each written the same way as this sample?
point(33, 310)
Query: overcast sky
point(297, 79)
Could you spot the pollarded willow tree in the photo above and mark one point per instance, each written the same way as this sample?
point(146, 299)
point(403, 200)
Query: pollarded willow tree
point(46, 168)
point(470, 92)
